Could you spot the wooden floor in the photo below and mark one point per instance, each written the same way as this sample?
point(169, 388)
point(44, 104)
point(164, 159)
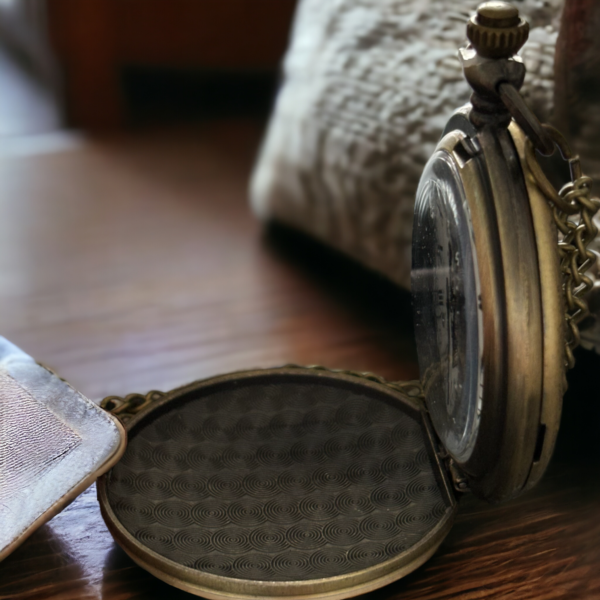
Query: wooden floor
point(133, 263)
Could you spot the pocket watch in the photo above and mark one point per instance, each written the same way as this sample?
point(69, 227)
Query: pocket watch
point(309, 483)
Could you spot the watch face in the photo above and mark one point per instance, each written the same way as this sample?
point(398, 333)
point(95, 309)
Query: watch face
point(446, 299)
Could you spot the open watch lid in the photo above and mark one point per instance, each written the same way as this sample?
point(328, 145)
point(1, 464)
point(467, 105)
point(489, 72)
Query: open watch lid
point(308, 483)
point(294, 481)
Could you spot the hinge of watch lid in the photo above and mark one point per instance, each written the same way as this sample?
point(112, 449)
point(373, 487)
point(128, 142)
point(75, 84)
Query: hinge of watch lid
point(457, 477)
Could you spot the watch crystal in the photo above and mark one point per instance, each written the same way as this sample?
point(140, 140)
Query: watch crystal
point(446, 299)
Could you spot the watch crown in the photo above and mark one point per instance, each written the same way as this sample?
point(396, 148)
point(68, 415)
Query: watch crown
point(497, 31)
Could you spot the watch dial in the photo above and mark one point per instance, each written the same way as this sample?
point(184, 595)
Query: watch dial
point(446, 305)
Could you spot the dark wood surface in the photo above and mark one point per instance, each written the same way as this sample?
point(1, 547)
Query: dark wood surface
point(134, 263)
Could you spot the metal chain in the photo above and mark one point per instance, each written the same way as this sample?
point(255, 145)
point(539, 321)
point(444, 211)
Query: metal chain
point(573, 210)
point(126, 408)
point(129, 406)
point(411, 388)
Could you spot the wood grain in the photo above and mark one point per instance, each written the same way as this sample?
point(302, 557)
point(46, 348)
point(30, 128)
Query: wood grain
point(133, 263)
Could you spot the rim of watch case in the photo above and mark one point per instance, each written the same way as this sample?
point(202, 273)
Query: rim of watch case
point(217, 587)
point(553, 311)
point(523, 318)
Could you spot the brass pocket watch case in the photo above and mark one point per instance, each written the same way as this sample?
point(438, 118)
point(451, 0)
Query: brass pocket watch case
point(291, 482)
point(300, 482)
point(486, 272)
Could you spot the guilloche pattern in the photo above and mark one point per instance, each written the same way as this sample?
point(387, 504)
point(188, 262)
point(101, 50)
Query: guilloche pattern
point(278, 481)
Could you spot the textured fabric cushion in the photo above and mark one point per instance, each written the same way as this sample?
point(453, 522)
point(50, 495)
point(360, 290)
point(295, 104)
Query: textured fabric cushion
point(368, 87)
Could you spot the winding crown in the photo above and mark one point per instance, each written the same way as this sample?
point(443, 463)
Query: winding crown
point(497, 31)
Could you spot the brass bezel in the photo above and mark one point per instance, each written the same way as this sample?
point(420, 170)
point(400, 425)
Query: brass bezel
point(335, 588)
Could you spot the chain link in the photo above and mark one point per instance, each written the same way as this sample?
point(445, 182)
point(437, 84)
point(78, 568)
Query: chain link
point(126, 408)
point(411, 388)
point(129, 406)
point(573, 210)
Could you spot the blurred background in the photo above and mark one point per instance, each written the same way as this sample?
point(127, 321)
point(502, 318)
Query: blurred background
point(128, 134)
point(106, 64)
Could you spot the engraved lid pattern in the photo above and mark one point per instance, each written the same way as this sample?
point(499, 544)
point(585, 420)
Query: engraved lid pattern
point(278, 481)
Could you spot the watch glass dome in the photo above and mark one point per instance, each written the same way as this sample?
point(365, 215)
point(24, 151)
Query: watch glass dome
point(446, 297)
